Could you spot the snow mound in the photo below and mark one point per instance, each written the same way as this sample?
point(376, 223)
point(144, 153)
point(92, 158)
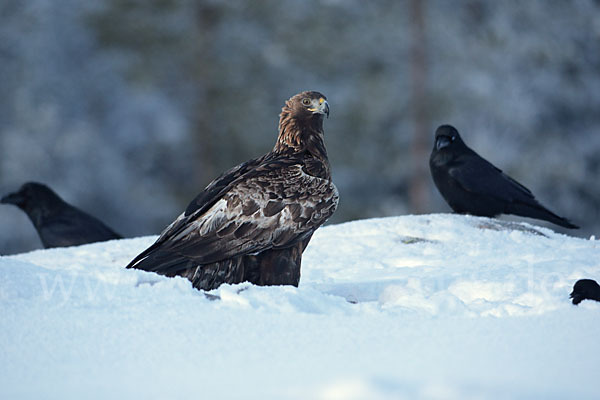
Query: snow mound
point(432, 306)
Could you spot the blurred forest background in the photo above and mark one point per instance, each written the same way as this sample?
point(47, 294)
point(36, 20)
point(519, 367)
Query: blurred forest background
point(128, 108)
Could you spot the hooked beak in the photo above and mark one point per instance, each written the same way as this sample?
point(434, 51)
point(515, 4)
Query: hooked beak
point(321, 108)
point(325, 107)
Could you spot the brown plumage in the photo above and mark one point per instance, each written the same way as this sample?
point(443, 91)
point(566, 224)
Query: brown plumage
point(254, 221)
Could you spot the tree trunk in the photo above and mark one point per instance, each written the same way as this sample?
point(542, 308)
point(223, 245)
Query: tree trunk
point(418, 187)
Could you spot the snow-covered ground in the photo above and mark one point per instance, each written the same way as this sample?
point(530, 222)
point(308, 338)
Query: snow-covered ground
point(431, 307)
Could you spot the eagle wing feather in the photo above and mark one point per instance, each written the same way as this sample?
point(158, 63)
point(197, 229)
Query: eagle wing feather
point(273, 204)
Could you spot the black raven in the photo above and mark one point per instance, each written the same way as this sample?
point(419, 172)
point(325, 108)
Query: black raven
point(585, 289)
point(254, 221)
point(58, 223)
point(472, 185)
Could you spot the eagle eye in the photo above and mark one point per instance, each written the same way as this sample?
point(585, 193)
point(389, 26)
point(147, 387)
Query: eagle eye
point(306, 101)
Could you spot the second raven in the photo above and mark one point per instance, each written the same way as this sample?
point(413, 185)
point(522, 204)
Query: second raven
point(472, 185)
point(58, 223)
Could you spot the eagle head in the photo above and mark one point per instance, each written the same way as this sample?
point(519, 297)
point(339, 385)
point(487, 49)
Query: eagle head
point(301, 123)
point(307, 104)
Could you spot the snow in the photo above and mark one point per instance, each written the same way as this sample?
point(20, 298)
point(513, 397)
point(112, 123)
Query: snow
point(428, 307)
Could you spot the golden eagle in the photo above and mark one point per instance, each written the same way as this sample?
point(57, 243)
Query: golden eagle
point(254, 221)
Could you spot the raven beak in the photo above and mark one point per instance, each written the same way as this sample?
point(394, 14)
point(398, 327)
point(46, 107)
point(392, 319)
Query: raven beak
point(12, 198)
point(441, 142)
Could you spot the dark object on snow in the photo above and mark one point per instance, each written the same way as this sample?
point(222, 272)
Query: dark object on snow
point(585, 289)
point(254, 221)
point(58, 223)
point(472, 185)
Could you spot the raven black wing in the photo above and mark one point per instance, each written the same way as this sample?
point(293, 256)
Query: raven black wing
point(476, 175)
point(72, 227)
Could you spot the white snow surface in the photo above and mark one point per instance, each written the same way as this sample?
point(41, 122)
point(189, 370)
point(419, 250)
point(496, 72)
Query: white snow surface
point(414, 307)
